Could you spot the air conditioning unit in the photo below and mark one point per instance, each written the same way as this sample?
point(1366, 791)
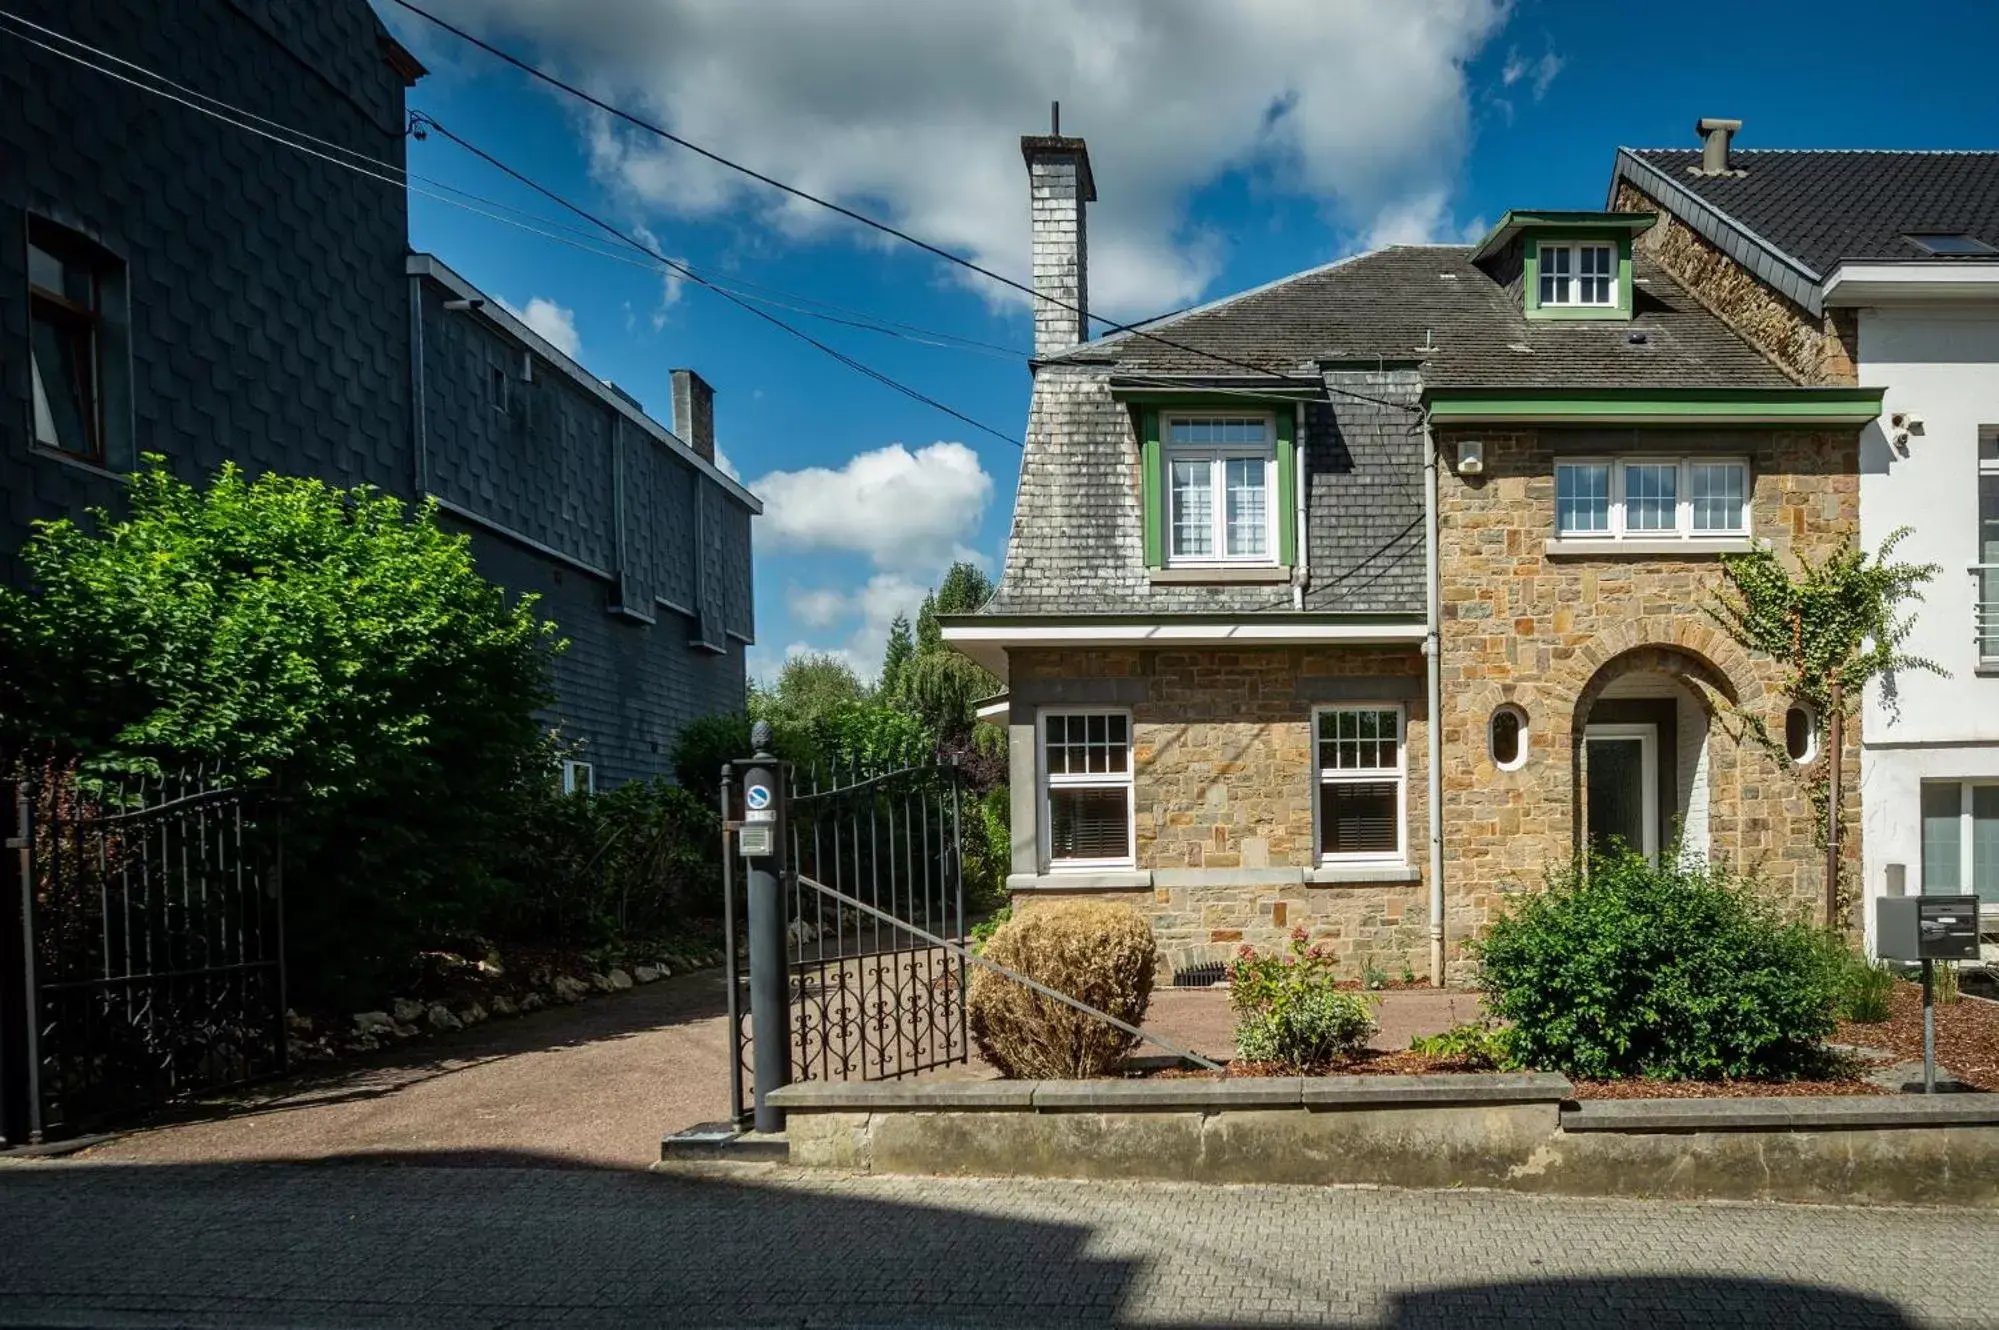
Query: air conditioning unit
point(1471, 458)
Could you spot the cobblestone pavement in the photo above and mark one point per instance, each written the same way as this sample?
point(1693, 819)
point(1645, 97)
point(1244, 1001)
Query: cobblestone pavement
point(418, 1244)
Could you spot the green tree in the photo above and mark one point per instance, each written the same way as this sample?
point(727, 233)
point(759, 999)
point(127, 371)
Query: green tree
point(325, 643)
point(895, 658)
point(964, 590)
point(1834, 627)
point(937, 683)
point(810, 686)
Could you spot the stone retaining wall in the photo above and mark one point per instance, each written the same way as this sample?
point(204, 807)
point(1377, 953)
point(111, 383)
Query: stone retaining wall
point(1506, 1131)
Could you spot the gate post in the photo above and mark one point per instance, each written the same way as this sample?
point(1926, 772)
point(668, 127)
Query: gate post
point(762, 840)
point(17, 977)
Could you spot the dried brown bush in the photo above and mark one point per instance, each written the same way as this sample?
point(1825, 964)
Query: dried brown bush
point(1099, 953)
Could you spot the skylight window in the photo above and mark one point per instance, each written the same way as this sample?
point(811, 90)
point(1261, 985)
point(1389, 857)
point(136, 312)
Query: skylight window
point(1949, 244)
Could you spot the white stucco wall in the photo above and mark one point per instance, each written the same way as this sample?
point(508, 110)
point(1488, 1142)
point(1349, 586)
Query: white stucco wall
point(1942, 363)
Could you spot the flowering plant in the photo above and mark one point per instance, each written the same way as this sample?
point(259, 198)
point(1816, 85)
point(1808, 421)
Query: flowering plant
point(1290, 1009)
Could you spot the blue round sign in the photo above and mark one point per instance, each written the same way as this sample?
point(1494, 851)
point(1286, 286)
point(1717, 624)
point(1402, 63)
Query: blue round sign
point(757, 796)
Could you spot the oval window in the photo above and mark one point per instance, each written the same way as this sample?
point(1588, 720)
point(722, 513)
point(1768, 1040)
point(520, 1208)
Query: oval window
point(1801, 733)
point(1509, 737)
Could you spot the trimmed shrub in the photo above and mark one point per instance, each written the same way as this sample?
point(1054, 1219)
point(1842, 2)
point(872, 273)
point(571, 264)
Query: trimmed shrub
point(1099, 953)
point(1675, 972)
point(1475, 1045)
point(1290, 1010)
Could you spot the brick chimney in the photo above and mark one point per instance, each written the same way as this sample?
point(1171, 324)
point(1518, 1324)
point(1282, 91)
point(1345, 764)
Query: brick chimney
point(694, 412)
point(1058, 177)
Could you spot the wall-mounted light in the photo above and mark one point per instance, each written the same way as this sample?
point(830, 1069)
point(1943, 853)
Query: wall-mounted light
point(1471, 457)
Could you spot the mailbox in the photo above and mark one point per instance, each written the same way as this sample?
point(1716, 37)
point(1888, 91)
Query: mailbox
point(1926, 928)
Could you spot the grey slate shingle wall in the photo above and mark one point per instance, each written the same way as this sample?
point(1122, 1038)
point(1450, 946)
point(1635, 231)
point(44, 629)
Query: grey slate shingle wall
point(266, 290)
point(1364, 494)
point(1078, 540)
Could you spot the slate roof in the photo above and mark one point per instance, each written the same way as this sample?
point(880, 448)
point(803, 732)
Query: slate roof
point(1821, 207)
point(1389, 303)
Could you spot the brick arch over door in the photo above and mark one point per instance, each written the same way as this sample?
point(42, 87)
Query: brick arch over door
point(1709, 683)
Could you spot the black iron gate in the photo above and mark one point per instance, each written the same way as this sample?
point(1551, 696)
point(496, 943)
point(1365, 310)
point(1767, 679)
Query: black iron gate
point(869, 1000)
point(141, 952)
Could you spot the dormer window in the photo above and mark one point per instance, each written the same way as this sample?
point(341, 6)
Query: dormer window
point(1222, 486)
point(1579, 275)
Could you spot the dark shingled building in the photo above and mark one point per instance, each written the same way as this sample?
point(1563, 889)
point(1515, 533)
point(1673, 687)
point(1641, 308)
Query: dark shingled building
point(178, 285)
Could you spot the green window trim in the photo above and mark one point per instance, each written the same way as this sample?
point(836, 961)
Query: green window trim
point(1152, 470)
point(1531, 278)
point(1777, 407)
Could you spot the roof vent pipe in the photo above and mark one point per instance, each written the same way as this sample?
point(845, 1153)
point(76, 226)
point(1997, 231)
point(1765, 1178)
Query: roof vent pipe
point(1715, 137)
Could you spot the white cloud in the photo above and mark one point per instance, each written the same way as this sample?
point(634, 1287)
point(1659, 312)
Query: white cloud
point(556, 323)
point(1539, 73)
point(907, 512)
point(1424, 220)
point(726, 465)
point(911, 110)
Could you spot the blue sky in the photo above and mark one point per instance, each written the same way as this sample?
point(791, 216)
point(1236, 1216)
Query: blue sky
point(1231, 145)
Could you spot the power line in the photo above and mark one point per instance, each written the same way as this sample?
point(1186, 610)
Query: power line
point(675, 266)
point(692, 276)
point(851, 214)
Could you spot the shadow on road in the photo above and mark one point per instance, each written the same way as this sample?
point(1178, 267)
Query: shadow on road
point(416, 1244)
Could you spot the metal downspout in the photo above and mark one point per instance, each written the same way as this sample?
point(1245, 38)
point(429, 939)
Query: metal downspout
point(1303, 572)
point(419, 413)
point(1433, 729)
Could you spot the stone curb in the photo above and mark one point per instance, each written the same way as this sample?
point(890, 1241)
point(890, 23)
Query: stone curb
point(1799, 1114)
point(1502, 1087)
point(1176, 1095)
point(893, 1096)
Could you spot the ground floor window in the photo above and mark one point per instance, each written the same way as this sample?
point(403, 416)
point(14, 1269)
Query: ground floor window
point(1961, 839)
point(1086, 789)
point(1361, 781)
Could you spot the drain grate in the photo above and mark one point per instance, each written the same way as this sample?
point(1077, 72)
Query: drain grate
point(1205, 975)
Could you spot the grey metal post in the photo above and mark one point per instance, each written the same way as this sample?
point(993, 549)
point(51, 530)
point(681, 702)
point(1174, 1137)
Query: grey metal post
point(764, 796)
point(1929, 1028)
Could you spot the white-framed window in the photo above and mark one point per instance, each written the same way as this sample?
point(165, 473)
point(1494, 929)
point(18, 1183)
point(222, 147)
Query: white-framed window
point(1086, 789)
point(1652, 498)
point(1801, 733)
point(1221, 488)
point(1361, 786)
point(1579, 275)
point(1506, 737)
point(578, 777)
point(1961, 840)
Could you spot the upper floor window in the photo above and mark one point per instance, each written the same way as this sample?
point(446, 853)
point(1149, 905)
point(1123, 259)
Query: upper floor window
point(1221, 489)
point(1987, 568)
point(1652, 498)
point(66, 342)
point(1578, 274)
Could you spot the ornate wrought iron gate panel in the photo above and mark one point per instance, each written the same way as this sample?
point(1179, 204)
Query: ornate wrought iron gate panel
point(143, 953)
point(868, 1000)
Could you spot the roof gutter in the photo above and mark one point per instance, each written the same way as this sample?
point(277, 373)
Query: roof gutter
point(1839, 407)
point(1889, 281)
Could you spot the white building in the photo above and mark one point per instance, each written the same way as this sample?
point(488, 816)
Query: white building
point(1880, 268)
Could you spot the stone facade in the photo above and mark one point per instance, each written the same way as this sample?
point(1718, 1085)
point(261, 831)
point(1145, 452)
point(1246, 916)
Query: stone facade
point(1820, 350)
point(1551, 633)
point(1224, 802)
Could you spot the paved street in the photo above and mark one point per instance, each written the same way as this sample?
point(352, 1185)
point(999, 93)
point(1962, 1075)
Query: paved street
point(419, 1245)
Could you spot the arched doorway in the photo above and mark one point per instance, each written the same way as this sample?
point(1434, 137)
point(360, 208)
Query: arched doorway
point(1644, 756)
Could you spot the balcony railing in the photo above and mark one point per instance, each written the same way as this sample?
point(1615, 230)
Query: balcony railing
point(1985, 611)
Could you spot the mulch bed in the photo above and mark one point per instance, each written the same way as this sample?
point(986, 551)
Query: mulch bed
point(1967, 1035)
point(1635, 1089)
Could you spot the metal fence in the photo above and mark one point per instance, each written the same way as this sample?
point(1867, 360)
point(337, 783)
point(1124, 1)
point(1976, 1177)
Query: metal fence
point(869, 999)
point(141, 957)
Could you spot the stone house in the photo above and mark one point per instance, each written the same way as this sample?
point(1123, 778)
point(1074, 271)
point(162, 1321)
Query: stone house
point(1879, 267)
point(178, 285)
point(1356, 601)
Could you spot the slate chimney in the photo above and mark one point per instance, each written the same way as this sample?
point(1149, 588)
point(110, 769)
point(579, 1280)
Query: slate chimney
point(694, 412)
point(1715, 138)
point(1059, 185)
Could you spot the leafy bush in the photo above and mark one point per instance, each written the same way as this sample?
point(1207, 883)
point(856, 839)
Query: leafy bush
point(1864, 989)
point(1479, 1045)
point(637, 861)
point(1290, 1010)
point(1099, 953)
point(704, 746)
point(328, 644)
point(982, 933)
point(1679, 972)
